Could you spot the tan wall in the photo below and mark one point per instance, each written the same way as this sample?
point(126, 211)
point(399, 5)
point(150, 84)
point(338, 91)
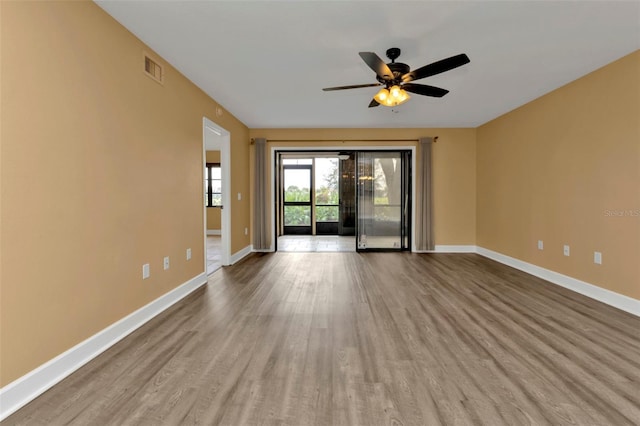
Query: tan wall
point(101, 172)
point(214, 218)
point(556, 168)
point(454, 170)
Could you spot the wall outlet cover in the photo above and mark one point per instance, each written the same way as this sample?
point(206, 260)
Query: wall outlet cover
point(566, 250)
point(145, 271)
point(597, 257)
point(165, 264)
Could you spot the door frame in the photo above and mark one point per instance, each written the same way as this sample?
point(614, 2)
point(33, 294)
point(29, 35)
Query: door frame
point(302, 149)
point(311, 203)
point(217, 138)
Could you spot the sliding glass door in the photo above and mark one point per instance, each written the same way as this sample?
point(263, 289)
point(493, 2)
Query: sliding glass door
point(383, 188)
point(364, 194)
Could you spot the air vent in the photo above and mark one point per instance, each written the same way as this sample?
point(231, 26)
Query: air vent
point(153, 69)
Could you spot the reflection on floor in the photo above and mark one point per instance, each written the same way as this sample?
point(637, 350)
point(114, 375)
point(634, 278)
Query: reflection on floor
point(316, 243)
point(213, 253)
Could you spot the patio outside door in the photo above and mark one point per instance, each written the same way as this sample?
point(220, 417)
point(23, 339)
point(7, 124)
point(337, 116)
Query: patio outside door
point(297, 199)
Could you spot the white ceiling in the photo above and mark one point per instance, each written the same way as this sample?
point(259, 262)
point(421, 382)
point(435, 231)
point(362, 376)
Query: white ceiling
point(266, 61)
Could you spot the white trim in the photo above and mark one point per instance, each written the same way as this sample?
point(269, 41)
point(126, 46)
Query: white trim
point(28, 387)
point(215, 137)
point(455, 249)
point(214, 232)
point(603, 295)
point(238, 256)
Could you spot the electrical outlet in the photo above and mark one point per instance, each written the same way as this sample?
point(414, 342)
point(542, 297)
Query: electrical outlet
point(567, 250)
point(239, 196)
point(188, 254)
point(597, 257)
point(246, 231)
point(165, 264)
point(540, 245)
point(145, 271)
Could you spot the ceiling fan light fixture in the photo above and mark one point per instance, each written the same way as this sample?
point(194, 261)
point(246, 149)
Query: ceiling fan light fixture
point(382, 96)
point(391, 97)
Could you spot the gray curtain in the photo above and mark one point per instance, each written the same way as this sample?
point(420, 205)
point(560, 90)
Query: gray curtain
point(424, 223)
point(260, 231)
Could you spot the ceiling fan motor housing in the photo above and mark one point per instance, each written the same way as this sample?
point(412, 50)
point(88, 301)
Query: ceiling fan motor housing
point(399, 69)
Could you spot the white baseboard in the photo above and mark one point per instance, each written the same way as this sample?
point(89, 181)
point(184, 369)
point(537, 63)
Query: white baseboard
point(449, 249)
point(238, 256)
point(455, 249)
point(600, 294)
point(214, 232)
point(28, 387)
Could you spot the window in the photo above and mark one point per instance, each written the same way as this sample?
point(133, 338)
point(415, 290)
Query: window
point(213, 184)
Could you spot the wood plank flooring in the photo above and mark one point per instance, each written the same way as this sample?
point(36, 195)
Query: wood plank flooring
point(363, 339)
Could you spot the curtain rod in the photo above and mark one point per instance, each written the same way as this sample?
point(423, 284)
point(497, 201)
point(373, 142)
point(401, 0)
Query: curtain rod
point(435, 138)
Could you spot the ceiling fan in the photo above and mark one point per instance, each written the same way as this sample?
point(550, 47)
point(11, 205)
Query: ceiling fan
point(396, 77)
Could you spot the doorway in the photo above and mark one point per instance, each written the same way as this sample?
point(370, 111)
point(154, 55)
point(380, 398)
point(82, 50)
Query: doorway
point(328, 201)
point(216, 191)
point(315, 195)
point(297, 189)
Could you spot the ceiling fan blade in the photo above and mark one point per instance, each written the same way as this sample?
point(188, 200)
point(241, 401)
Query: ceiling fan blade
point(354, 86)
point(373, 103)
point(423, 89)
point(376, 64)
point(436, 68)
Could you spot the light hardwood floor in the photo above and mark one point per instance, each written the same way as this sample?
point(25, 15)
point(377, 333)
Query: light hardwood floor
point(363, 339)
point(213, 253)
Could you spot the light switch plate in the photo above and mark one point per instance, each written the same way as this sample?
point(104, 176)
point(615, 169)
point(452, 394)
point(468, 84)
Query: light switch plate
point(165, 264)
point(567, 250)
point(188, 254)
point(540, 245)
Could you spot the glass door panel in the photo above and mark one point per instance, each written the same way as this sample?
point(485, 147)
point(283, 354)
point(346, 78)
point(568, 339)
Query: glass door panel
point(347, 184)
point(326, 195)
point(297, 199)
point(382, 201)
